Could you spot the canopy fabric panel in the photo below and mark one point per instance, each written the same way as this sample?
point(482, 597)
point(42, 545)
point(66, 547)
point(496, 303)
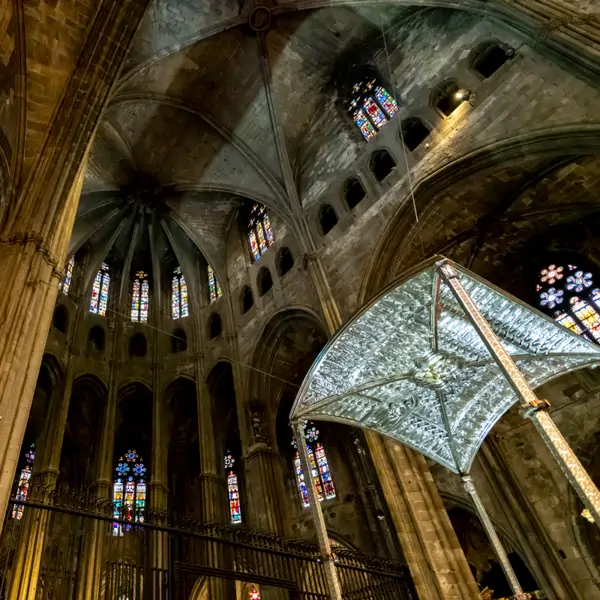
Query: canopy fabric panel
point(411, 365)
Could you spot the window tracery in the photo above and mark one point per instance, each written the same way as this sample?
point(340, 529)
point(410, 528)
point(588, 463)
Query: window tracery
point(214, 289)
point(233, 489)
point(567, 293)
point(129, 491)
point(23, 485)
point(140, 300)
point(260, 232)
point(65, 285)
point(371, 106)
point(179, 295)
point(253, 594)
point(321, 474)
point(100, 290)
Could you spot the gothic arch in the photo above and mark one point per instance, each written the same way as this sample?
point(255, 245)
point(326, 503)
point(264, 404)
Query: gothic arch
point(540, 150)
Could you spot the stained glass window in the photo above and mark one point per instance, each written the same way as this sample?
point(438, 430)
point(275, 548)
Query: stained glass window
point(129, 491)
point(214, 289)
point(65, 285)
point(179, 295)
point(260, 232)
point(140, 298)
point(254, 595)
point(319, 466)
point(100, 291)
point(371, 106)
point(23, 485)
point(233, 489)
point(565, 293)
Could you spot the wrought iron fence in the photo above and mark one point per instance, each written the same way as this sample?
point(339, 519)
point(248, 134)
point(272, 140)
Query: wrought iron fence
point(69, 545)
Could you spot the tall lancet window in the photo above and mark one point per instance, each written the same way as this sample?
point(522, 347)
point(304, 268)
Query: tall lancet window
point(319, 465)
point(179, 295)
point(260, 233)
point(129, 491)
point(214, 289)
point(568, 294)
point(100, 291)
point(370, 106)
point(65, 285)
point(140, 298)
point(233, 489)
point(23, 485)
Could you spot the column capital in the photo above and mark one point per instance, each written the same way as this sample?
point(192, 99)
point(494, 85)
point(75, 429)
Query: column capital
point(24, 238)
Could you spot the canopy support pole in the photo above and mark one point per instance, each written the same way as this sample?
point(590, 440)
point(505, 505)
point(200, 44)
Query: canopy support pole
point(331, 578)
point(531, 405)
point(511, 577)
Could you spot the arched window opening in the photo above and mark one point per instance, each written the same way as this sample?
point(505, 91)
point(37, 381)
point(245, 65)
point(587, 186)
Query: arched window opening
point(129, 491)
point(382, 164)
point(370, 106)
point(96, 338)
point(414, 131)
point(354, 192)
point(178, 341)
point(214, 289)
point(65, 285)
point(448, 96)
point(319, 465)
point(60, 320)
point(247, 299)
point(214, 326)
point(568, 294)
point(140, 299)
point(260, 233)
point(233, 489)
point(100, 291)
point(285, 261)
point(138, 345)
point(488, 57)
point(179, 295)
point(23, 485)
point(265, 281)
point(327, 218)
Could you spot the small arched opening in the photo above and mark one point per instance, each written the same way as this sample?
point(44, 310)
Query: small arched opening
point(60, 320)
point(448, 96)
point(138, 346)
point(382, 164)
point(96, 338)
point(327, 218)
point(178, 341)
point(285, 261)
point(354, 192)
point(488, 57)
point(215, 326)
point(414, 132)
point(247, 300)
point(265, 281)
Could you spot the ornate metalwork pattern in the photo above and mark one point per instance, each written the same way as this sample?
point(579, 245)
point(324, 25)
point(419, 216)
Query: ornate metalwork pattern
point(414, 347)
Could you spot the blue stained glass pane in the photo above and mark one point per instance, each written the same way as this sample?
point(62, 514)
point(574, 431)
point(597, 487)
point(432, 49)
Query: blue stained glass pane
point(386, 100)
point(175, 298)
point(184, 297)
point(65, 286)
point(129, 491)
point(144, 301)
point(364, 125)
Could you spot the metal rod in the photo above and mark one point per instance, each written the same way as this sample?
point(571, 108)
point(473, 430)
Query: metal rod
point(332, 581)
point(532, 407)
point(515, 586)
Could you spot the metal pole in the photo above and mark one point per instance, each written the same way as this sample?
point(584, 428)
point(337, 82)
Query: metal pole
point(532, 407)
point(333, 583)
point(494, 539)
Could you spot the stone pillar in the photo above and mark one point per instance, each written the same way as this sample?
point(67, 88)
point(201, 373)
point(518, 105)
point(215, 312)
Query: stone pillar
point(26, 568)
point(37, 225)
point(432, 550)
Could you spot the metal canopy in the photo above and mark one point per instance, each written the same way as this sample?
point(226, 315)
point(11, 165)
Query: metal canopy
point(411, 365)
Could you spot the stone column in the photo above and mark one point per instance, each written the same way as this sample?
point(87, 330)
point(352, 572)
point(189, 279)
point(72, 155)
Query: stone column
point(432, 550)
point(37, 225)
point(26, 568)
